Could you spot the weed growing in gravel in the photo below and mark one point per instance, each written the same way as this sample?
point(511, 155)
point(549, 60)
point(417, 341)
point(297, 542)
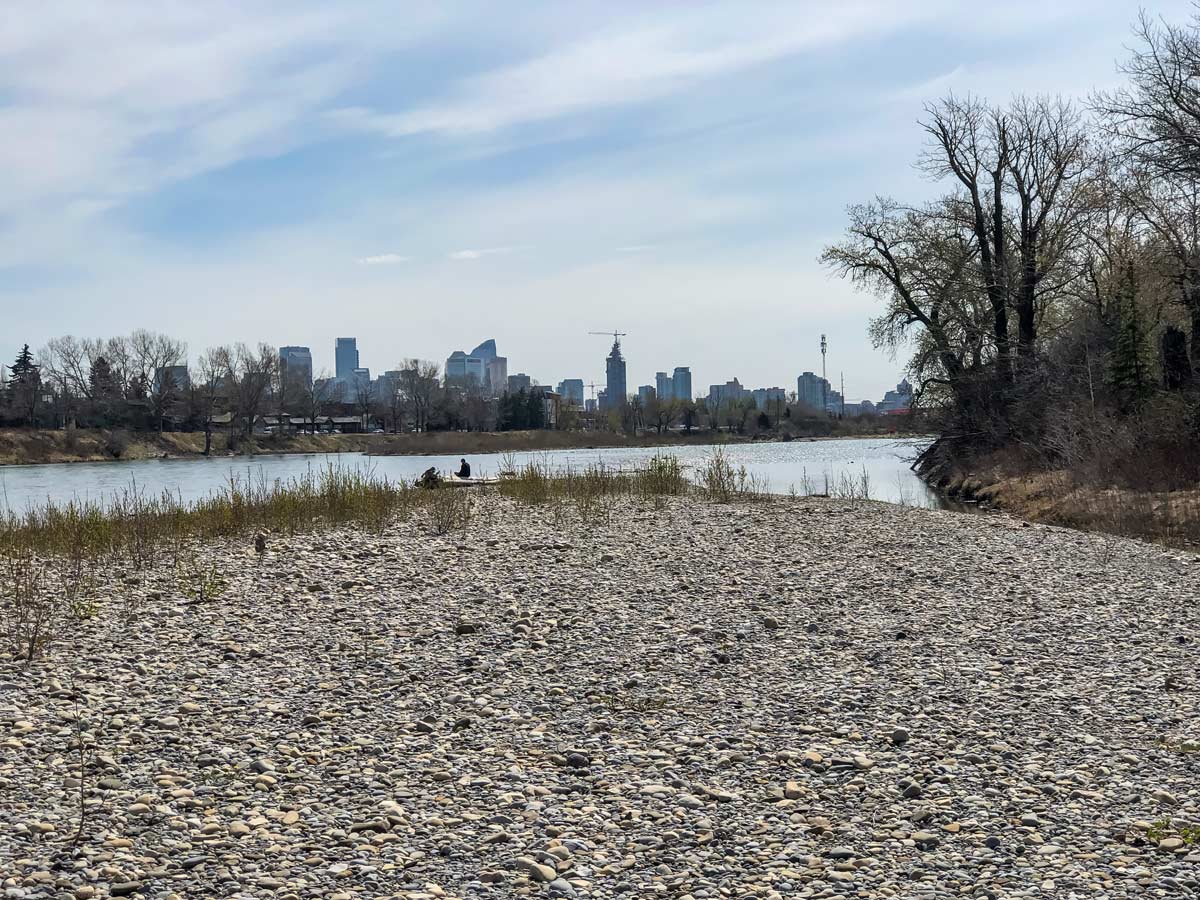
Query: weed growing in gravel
point(138, 529)
point(198, 582)
point(660, 476)
point(31, 611)
point(720, 482)
point(592, 490)
point(448, 509)
point(1165, 827)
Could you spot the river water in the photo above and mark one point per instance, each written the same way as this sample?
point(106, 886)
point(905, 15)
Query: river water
point(882, 465)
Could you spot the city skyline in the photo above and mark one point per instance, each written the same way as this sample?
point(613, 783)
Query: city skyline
point(679, 382)
point(669, 171)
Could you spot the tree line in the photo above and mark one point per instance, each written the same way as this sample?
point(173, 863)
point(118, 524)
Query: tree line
point(1050, 291)
point(142, 382)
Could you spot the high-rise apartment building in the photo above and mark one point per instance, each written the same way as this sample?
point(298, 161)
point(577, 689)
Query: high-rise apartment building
point(519, 382)
point(345, 355)
point(296, 363)
point(616, 393)
point(771, 398)
point(812, 391)
point(663, 385)
point(729, 392)
point(681, 383)
point(646, 393)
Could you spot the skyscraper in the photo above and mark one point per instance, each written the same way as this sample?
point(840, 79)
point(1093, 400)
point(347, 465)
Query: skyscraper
point(616, 393)
point(485, 351)
point(456, 367)
point(681, 383)
point(663, 385)
point(345, 354)
point(571, 390)
point(646, 393)
point(297, 365)
point(496, 375)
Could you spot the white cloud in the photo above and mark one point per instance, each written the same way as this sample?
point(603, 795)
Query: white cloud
point(384, 259)
point(104, 102)
point(479, 254)
point(648, 59)
point(931, 87)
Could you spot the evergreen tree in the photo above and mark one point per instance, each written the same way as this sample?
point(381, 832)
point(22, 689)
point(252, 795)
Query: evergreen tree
point(102, 382)
point(24, 368)
point(1176, 367)
point(25, 386)
point(535, 416)
point(1128, 372)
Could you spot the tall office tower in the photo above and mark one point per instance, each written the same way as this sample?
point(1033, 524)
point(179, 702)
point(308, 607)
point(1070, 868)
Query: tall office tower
point(345, 354)
point(681, 383)
point(663, 385)
point(297, 365)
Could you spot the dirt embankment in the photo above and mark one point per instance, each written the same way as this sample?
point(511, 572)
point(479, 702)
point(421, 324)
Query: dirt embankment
point(1066, 498)
point(32, 447)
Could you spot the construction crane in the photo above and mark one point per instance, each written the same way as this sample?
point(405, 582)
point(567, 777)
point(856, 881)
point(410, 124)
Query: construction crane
point(616, 336)
point(591, 385)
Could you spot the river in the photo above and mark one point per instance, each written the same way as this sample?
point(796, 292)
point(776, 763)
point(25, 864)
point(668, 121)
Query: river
point(806, 466)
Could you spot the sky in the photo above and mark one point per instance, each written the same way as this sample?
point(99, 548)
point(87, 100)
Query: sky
point(425, 178)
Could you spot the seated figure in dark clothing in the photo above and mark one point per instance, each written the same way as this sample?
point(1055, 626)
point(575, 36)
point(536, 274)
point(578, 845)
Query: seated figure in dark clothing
point(429, 478)
point(464, 471)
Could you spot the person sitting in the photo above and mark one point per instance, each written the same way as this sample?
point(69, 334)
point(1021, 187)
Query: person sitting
point(464, 471)
point(429, 478)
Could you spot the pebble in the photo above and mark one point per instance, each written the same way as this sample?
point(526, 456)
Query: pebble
point(945, 706)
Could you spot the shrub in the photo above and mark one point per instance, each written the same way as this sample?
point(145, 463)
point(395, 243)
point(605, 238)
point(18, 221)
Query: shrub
point(448, 509)
point(116, 443)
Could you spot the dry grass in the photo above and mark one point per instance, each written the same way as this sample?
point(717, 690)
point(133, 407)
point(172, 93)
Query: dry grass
point(53, 557)
point(1061, 498)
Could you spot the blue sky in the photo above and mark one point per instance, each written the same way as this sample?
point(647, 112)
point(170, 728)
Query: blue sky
point(426, 178)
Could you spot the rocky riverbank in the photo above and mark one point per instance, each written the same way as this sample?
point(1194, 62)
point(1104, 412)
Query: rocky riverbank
point(796, 698)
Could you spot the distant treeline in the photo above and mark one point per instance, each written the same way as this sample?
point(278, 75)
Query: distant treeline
point(143, 383)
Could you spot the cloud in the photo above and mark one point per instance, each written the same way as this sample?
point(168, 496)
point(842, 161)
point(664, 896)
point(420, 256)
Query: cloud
point(384, 259)
point(635, 248)
point(101, 104)
point(478, 254)
point(931, 87)
point(644, 61)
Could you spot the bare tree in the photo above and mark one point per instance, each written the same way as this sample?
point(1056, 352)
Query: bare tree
point(970, 145)
point(1046, 158)
point(662, 414)
point(418, 390)
point(249, 374)
point(208, 387)
point(314, 398)
point(1155, 117)
point(363, 397)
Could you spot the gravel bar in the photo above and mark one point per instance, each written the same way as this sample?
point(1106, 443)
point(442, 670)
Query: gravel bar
point(794, 698)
